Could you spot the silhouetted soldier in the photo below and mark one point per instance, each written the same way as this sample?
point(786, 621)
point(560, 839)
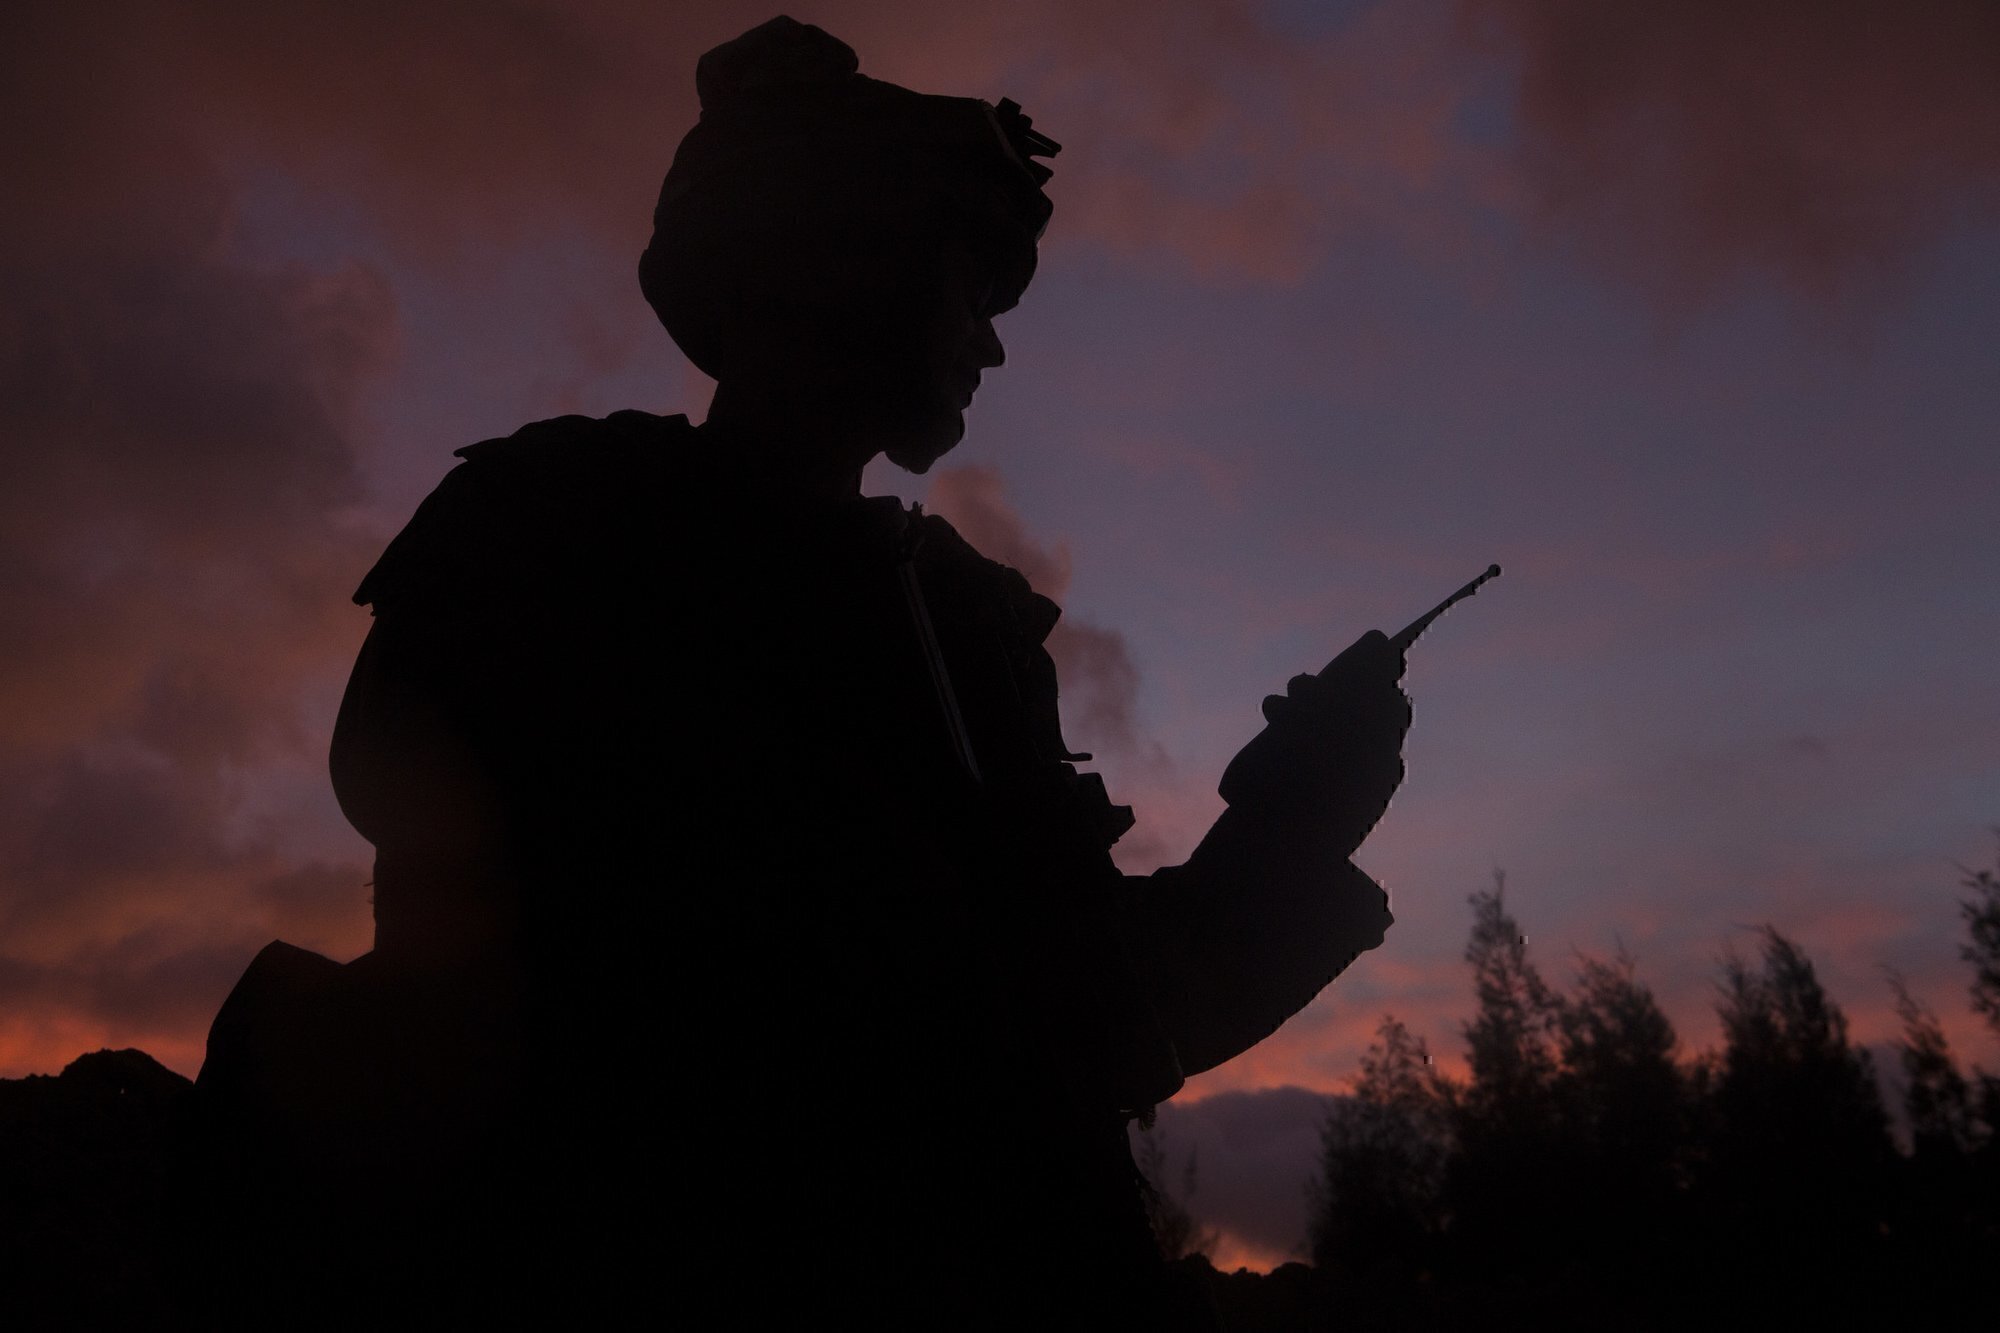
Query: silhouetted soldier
point(733, 873)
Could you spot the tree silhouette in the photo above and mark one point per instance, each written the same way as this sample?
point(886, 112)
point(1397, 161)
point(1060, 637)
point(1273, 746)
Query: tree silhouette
point(1942, 1209)
point(1936, 1096)
point(1511, 1043)
point(1588, 1175)
point(1175, 1228)
point(1509, 1185)
point(1377, 1216)
point(1796, 1182)
point(1982, 922)
point(1621, 1089)
point(1981, 914)
point(1383, 1151)
point(1624, 1107)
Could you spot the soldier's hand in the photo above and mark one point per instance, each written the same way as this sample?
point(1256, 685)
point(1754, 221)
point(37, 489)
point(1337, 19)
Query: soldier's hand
point(1332, 747)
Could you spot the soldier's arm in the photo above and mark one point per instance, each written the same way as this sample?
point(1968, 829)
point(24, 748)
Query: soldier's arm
point(1270, 908)
point(1247, 931)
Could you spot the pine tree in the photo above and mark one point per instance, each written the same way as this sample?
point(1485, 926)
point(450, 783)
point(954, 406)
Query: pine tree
point(1622, 1104)
point(1783, 1031)
point(1511, 1042)
point(1978, 1183)
point(1176, 1230)
point(1511, 1183)
point(1623, 1096)
point(1943, 1225)
point(1981, 913)
point(1936, 1096)
point(1797, 1180)
point(1377, 1214)
point(1982, 922)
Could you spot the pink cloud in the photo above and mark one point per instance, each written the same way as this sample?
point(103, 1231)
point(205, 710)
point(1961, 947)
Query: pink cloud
point(456, 123)
point(1221, 476)
point(974, 500)
point(1100, 683)
point(180, 432)
point(1689, 145)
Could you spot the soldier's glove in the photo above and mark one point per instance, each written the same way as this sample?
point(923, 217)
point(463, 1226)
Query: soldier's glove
point(1331, 749)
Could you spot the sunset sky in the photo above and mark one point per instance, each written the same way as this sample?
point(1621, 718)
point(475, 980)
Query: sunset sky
point(1685, 314)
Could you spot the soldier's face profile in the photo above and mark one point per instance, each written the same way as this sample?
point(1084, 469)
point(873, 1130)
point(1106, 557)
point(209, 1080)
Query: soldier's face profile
point(948, 340)
point(885, 336)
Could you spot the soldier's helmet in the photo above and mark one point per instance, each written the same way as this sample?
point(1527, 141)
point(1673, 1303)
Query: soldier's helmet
point(800, 162)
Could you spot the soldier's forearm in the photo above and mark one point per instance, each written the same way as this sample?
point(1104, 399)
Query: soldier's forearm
point(1261, 917)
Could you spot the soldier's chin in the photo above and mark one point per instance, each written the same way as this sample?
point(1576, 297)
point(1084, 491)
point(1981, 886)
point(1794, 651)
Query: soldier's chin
point(924, 443)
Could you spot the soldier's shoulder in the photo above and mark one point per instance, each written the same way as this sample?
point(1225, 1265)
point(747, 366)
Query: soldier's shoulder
point(580, 442)
point(943, 548)
point(517, 502)
point(947, 556)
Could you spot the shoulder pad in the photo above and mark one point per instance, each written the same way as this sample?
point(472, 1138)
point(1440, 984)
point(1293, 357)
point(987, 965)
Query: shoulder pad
point(953, 556)
point(488, 512)
point(570, 435)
